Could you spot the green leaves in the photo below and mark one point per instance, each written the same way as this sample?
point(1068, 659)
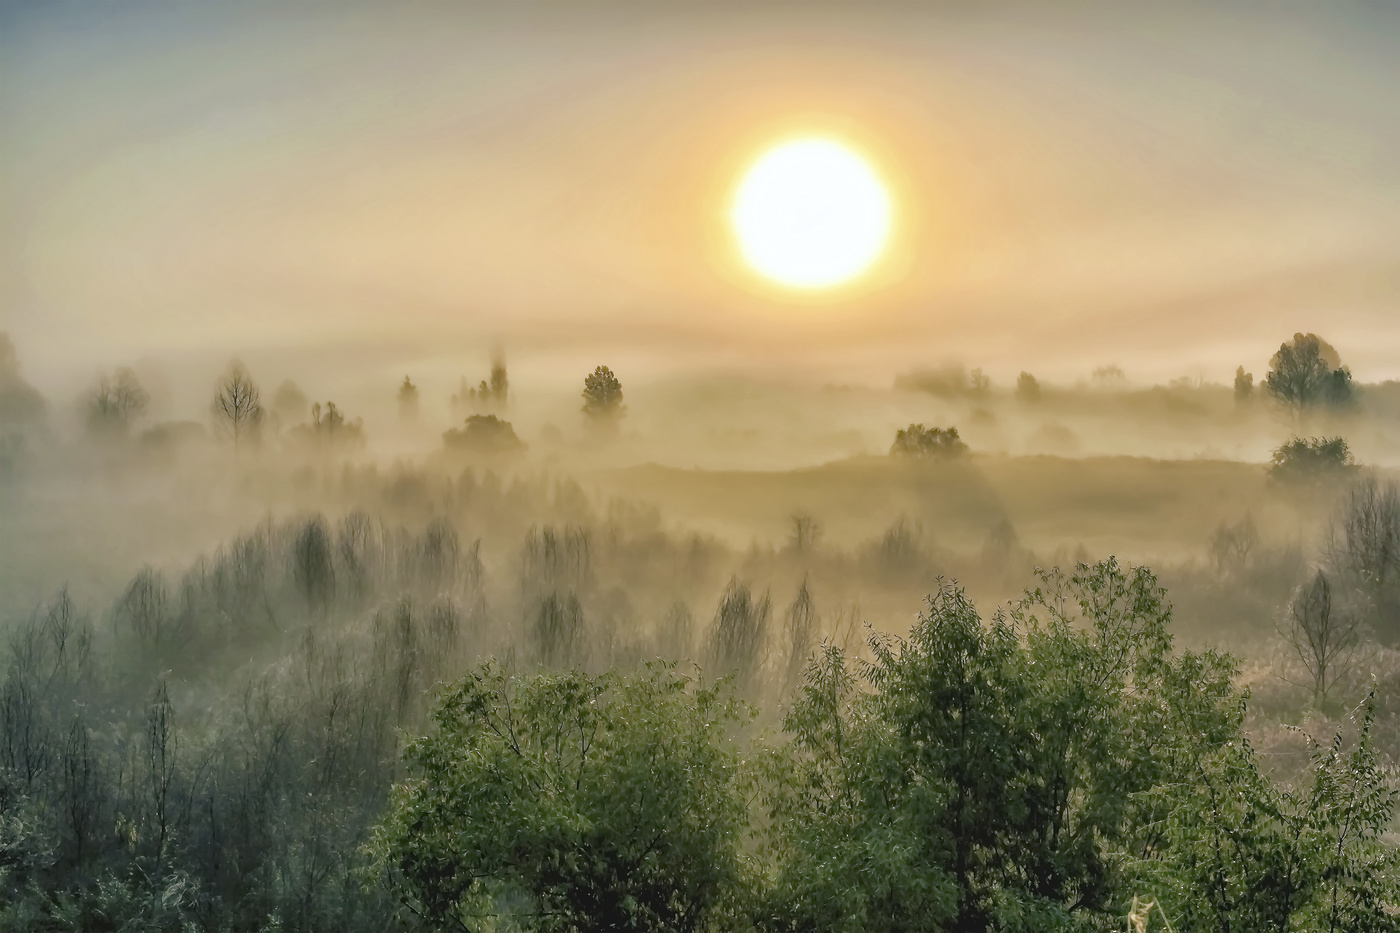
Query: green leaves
point(1036, 771)
point(570, 802)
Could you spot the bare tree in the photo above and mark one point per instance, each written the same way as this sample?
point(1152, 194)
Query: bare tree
point(1364, 549)
point(115, 403)
point(1326, 641)
point(237, 402)
point(1231, 545)
point(805, 532)
point(799, 630)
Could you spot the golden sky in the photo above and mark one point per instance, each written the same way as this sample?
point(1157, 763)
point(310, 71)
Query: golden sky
point(1175, 188)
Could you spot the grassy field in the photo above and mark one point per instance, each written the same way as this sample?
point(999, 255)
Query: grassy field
point(1134, 507)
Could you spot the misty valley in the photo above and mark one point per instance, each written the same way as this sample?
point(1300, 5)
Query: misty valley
point(491, 677)
point(586, 466)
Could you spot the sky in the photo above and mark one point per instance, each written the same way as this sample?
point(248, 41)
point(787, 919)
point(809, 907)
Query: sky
point(370, 189)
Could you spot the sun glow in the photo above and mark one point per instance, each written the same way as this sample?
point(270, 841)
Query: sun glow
point(811, 214)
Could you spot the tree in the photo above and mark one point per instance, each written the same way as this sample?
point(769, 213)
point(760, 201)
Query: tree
point(484, 434)
point(1309, 459)
point(1363, 549)
point(1038, 770)
point(289, 401)
point(602, 397)
point(919, 442)
point(738, 637)
point(1325, 640)
point(115, 403)
point(1307, 372)
point(1231, 545)
point(329, 429)
point(564, 802)
point(490, 394)
point(979, 384)
point(1027, 388)
point(1244, 386)
point(237, 403)
point(408, 400)
point(804, 532)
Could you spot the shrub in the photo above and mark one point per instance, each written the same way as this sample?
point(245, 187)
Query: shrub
point(483, 434)
point(1312, 458)
point(564, 802)
point(921, 442)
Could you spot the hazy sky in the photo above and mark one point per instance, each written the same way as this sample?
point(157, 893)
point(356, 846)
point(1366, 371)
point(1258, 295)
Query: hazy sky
point(393, 186)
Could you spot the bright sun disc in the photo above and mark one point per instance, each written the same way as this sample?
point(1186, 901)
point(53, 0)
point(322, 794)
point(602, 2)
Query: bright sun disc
point(811, 214)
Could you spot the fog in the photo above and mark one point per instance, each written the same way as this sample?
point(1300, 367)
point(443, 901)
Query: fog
point(345, 349)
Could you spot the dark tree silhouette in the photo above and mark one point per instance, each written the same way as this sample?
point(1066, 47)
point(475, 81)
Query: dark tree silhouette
point(1312, 458)
point(484, 434)
point(602, 396)
point(289, 401)
point(1325, 640)
point(115, 403)
point(237, 403)
point(1027, 388)
point(1306, 372)
point(921, 442)
point(1244, 386)
point(408, 400)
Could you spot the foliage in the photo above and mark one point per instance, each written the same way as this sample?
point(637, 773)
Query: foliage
point(602, 396)
point(920, 442)
point(564, 802)
point(1305, 459)
point(981, 776)
point(484, 434)
point(1237, 851)
point(1038, 772)
point(1307, 372)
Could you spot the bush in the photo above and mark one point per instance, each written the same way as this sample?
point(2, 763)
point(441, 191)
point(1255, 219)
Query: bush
point(1312, 458)
point(568, 802)
point(484, 434)
point(921, 442)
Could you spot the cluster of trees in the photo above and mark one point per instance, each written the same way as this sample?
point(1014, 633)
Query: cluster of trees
point(488, 395)
point(115, 404)
point(1044, 771)
point(919, 442)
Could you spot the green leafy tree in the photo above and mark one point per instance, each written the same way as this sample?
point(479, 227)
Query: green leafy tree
point(564, 802)
point(602, 396)
point(990, 776)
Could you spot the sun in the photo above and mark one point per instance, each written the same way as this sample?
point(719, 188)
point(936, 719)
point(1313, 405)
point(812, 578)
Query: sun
point(811, 214)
